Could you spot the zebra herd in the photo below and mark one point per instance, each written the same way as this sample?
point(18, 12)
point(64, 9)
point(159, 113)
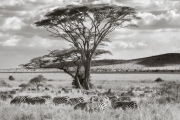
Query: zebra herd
point(30, 100)
point(95, 103)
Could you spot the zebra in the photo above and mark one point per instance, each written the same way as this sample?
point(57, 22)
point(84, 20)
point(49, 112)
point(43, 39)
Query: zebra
point(46, 97)
point(119, 104)
point(35, 100)
point(81, 106)
point(97, 106)
point(66, 90)
point(60, 100)
point(12, 92)
point(124, 98)
point(19, 99)
point(99, 99)
point(5, 96)
point(74, 101)
point(91, 106)
point(113, 97)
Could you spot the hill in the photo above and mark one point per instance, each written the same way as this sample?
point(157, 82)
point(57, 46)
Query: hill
point(168, 61)
point(160, 60)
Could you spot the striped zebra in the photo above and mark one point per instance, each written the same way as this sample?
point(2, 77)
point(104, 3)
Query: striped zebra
point(128, 104)
point(97, 106)
point(90, 106)
point(4, 97)
point(61, 100)
point(80, 106)
point(35, 100)
point(74, 101)
point(47, 97)
point(99, 99)
point(19, 99)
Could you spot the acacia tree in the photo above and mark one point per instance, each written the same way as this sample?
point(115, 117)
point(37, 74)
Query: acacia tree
point(86, 26)
point(68, 60)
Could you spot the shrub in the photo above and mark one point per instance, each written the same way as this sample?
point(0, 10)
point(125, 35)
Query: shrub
point(11, 78)
point(159, 80)
point(81, 81)
point(170, 89)
point(23, 85)
point(100, 87)
point(37, 80)
point(4, 84)
point(166, 99)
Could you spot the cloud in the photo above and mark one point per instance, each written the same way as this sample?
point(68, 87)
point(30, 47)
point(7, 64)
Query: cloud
point(165, 20)
point(12, 23)
point(11, 42)
point(158, 31)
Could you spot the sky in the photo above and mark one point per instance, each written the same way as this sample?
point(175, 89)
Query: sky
point(21, 40)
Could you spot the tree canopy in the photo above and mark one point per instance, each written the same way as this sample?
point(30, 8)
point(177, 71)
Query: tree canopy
point(86, 27)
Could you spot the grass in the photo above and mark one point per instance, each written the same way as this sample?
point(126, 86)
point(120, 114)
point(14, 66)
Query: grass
point(51, 112)
point(150, 108)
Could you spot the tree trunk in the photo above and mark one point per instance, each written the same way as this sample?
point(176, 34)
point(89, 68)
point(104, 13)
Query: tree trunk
point(37, 87)
point(87, 75)
point(78, 83)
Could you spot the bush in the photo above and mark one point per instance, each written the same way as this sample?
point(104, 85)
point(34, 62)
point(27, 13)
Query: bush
point(38, 79)
point(81, 81)
point(166, 99)
point(4, 84)
point(23, 85)
point(159, 80)
point(171, 89)
point(11, 78)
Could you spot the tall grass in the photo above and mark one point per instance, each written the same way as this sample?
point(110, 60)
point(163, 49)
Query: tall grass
point(51, 112)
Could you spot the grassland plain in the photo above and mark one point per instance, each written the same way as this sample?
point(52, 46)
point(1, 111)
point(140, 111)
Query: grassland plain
point(148, 108)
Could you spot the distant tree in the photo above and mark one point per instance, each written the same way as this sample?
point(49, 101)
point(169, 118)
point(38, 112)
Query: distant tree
point(37, 81)
point(86, 26)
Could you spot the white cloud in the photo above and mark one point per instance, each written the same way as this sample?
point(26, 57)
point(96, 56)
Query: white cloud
point(11, 2)
point(11, 42)
point(14, 23)
point(170, 19)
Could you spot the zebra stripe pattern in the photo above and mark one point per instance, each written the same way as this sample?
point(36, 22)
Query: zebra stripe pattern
point(74, 101)
point(19, 99)
point(97, 106)
point(99, 99)
point(90, 106)
point(60, 100)
point(35, 100)
point(124, 105)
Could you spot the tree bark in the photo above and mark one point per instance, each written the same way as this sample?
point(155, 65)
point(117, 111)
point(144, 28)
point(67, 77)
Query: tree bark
point(87, 74)
point(79, 85)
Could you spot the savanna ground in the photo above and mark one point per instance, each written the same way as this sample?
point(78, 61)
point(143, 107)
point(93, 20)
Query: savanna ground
point(149, 108)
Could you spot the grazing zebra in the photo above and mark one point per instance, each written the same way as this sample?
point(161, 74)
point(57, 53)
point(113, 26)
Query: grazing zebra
point(124, 98)
point(112, 97)
point(90, 106)
point(99, 99)
point(66, 90)
point(5, 96)
point(19, 99)
point(94, 105)
point(74, 101)
point(97, 106)
point(12, 92)
point(47, 97)
point(60, 100)
point(80, 106)
point(35, 100)
point(124, 105)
